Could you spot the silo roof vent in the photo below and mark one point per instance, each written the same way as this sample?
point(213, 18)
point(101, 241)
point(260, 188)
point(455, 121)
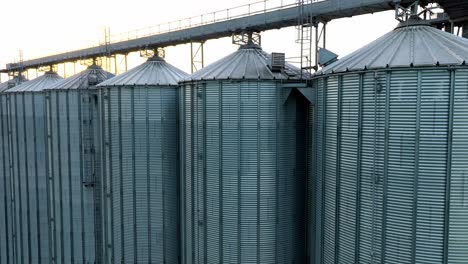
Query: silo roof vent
point(277, 62)
point(249, 62)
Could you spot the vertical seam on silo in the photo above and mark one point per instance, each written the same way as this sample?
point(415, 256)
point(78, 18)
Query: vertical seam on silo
point(2, 114)
point(192, 167)
point(181, 175)
point(323, 165)
point(80, 130)
point(338, 169)
point(59, 163)
point(70, 202)
point(5, 237)
point(47, 170)
point(39, 244)
point(13, 140)
point(196, 172)
point(52, 180)
point(122, 226)
point(221, 176)
point(205, 157)
point(135, 233)
point(385, 182)
point(26, 174)
point(258, 169)
point(148, 174)
point(416, 167)
point(277, 166)
point(107, 92)
point(106, 185)
point(163, 182)
point(449, 166)
point(239, 174)
point(358, 169)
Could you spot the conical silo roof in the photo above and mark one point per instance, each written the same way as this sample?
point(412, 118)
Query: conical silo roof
point(17, 80)
point(248, 62)
point(90, 77)
point(38, 84)
point(413, 43)
point(155, 71)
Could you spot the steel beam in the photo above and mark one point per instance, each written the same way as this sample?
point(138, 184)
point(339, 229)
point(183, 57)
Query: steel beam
point(324, 11)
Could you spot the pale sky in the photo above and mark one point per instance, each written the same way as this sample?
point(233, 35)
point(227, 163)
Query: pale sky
point(45, 27)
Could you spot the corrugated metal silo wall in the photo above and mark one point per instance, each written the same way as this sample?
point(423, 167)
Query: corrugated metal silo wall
point(6, 224)
point(243, 191)
point(72, 117)
point(392, 156)
point(141, 174)
point(29, 178)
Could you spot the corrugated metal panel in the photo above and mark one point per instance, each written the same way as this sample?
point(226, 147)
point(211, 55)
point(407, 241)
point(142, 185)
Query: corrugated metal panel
point(153, 72)
point(11, 83)
point(29, 176)
point(84, 80)
point(312, 181)
point(415, 45)
point(329, 173)
point(141, 162)
point(249, 62)
point(6, 212)
point(73, 148)
point(371, 168)
point(407, 213)
point(400, 177)
point(458, 233)
point(38, 84)
point(71, 115)
point(320, 150)
point(239, 176)
point(348, 157)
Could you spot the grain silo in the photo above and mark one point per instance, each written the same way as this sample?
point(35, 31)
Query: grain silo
point(29, 170)
point(140, 146)
point(243, 179)
point(6, 250)
point(392, 150)
point(73, 122)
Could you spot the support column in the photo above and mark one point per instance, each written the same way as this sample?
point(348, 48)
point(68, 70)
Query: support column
point(196, 56)
point(465, 29)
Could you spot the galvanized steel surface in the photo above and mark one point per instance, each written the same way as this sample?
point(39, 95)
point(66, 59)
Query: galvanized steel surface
point(11, 83)
point(153, 72)
point(243, 183)
point(249, 62)
point(140, 173)
point(36, 85)
point(6, 212)
point(411, 44)
point(139, 137)
point(86, 79)
point(28, 171)
point(73, 149)
point(404, 134)
point(31, 233)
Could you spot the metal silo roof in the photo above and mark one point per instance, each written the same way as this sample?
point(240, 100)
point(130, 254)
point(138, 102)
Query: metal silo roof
point(249, 62)
point(38, 84)
point(82, 79)
point(412, 43)
point(156, 71)
point(15, 81)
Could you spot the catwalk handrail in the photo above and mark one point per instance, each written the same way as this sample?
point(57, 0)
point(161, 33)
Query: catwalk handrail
point(258, 16)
